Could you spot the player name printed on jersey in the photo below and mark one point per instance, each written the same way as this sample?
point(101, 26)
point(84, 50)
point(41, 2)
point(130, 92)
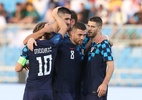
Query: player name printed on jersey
point(43, 50)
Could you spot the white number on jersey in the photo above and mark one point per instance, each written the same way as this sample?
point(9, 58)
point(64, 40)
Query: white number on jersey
point(72, 54)
point(46, 71)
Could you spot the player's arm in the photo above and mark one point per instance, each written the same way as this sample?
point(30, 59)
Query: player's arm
point(30, 44)
point(20, 64)
point(100, 39)
point(102, 89)
point(60, 22)
point(47, 29)
point(109, 72)
point(22, 60)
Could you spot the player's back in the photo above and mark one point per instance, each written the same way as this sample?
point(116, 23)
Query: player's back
point(41, 62)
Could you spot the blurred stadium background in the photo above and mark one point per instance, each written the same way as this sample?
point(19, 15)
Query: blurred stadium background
point(122, 23)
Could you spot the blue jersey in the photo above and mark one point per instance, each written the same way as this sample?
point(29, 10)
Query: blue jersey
point(69, 67)
point(98, 55)
point(41, 63)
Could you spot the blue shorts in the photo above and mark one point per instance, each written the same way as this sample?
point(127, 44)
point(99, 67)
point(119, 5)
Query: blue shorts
point(93, 97)
point(38, 95)
point(66, 96)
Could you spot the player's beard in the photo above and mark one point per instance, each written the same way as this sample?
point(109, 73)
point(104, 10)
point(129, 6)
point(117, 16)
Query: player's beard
point(91, 34)
point(79, 42)
point(69, 27)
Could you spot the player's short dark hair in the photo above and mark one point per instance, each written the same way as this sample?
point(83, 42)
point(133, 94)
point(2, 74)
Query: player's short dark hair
point(64, 10)
point(97, 19)
point(79, 25)
point(39, 26)
point(74, 15)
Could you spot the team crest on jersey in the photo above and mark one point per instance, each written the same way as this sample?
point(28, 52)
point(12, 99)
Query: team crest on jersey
point(71, 48)
point(72, 53)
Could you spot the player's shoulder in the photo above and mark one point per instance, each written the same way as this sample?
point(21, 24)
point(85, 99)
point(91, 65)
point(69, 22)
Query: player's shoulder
point(25, 48)
point(105, 44)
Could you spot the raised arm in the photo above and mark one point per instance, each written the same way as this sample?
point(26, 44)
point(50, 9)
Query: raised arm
point(47, 29)
point(62, 25)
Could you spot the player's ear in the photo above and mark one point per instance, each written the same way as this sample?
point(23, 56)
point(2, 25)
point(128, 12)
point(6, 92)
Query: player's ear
point(100, 28)
point(73, 21)
point(71, 32)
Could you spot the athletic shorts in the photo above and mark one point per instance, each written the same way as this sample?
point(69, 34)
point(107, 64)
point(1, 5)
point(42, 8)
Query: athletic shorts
point(66, 96)
point(93, 97)
point(38, 95)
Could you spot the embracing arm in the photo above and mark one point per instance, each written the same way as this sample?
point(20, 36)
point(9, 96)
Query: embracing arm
point(47, 28)
point(35, 35)
point(60, 22)
point(106, 37)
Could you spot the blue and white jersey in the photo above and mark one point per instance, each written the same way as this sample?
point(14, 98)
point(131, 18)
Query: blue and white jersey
point(41, 63)
point(98, 55)
point(69, 67)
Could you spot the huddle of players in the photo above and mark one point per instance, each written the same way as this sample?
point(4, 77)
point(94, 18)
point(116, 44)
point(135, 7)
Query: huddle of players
point(68, 60)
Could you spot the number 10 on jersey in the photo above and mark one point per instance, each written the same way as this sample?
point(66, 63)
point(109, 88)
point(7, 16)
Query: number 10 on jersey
point(47, 69)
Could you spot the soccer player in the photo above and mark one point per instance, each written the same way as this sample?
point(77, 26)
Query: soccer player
point(41, 62)
point(72, 22)
point(64, 13)
point(69, 64)
point(100, 65)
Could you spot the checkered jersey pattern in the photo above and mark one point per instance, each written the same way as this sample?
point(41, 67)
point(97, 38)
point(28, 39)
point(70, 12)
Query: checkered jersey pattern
point(86, 39)
point(103, 48)
point(81, 51)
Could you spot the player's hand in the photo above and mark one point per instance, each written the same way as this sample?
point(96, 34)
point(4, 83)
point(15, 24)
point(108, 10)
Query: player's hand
point(111, 43)
point(30, 43)
point(26, 67)
point(55, 11)
point(107, 38)
point(101, 38)
point(102, 90)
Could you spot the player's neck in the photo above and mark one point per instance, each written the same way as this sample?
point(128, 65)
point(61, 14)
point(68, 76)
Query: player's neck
point(72, 41)
point(96, 38)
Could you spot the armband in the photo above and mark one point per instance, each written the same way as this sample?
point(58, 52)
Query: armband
point(22, 61)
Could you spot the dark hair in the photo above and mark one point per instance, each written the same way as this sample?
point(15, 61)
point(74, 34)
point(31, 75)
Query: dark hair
point(64, 10)
point(39, 26)
point(73, 15)
point(79, 25)
point(97, 19)
point(18, 4)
